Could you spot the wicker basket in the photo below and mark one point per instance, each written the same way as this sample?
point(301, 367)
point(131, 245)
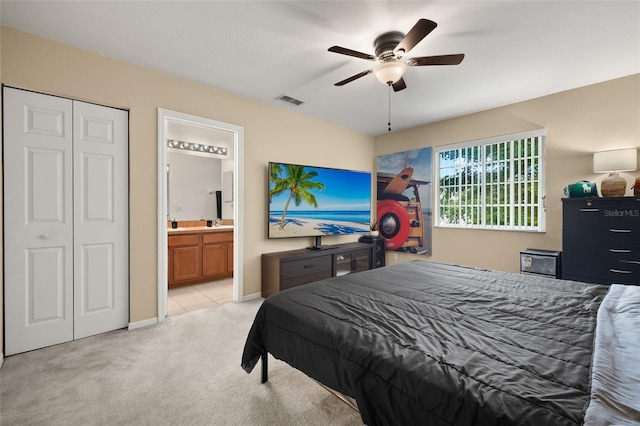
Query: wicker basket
point(613, 186)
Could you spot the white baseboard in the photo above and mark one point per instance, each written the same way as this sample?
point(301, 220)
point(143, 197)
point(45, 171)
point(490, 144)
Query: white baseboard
point(154, 321)
point(251, 297)
point(1, 359)
point(143, 323)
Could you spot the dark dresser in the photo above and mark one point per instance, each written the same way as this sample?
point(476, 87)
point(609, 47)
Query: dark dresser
point(287, 269)
point(601, 240)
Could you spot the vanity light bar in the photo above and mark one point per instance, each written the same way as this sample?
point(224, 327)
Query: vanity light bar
point(198, 147)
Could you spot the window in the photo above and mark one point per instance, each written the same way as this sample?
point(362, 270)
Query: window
point(494, 183)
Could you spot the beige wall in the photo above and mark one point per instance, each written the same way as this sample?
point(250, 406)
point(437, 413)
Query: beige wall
point(578, 122)
point(1, 227)
point(269, 134)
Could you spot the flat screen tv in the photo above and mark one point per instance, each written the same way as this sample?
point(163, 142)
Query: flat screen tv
point(309, 201)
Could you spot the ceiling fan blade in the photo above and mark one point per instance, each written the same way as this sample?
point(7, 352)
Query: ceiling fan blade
point(415, 35)
point(349, 52)
point(353, 77)
point(399, 85)
point(436, 60)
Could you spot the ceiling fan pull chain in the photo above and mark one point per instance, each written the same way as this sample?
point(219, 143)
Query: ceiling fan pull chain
point(389, 123)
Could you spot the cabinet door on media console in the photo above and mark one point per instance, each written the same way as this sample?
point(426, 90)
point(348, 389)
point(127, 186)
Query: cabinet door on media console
point(363, 260)
point(352, 261)
point(601, 240)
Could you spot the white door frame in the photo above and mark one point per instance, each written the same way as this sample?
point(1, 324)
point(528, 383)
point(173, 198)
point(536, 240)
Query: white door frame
point(164, 117)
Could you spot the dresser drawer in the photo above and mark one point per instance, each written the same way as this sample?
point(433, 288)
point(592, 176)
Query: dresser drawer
point(604, 251)
point(588, 207)
point(301, 267)
point(183, 240)
point(605, 272)
point(305, 279)
point(597, 212)
point(216, 237)
point(606, 239)
point(596, 229)
point(611, 279)
point(631, 206)
point(601, 229)
point(592, 279)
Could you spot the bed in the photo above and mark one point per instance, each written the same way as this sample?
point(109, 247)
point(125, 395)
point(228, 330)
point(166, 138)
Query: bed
point(438, 344)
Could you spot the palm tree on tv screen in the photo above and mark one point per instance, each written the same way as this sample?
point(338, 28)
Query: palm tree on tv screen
point(296, 180)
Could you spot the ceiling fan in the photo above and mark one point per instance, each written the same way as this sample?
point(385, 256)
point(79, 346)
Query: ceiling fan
point(390, 48)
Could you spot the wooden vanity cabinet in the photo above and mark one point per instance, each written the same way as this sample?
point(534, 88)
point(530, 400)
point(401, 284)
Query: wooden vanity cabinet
point(215, 254)
point(185, 254)
point(230, 256)
point(199, 256)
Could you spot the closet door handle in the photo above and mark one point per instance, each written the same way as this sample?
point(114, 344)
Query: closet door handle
point(623, 231)
point(620, 250)
point(45, 236)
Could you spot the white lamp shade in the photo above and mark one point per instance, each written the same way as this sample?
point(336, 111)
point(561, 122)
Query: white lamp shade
point(620, 160)
point(390, 72)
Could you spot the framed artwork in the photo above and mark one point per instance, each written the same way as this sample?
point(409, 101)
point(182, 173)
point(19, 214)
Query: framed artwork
point(403, 200)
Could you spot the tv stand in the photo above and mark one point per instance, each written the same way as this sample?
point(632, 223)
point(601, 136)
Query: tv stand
point(287, 269)
point(318, 245)
point(321, 247)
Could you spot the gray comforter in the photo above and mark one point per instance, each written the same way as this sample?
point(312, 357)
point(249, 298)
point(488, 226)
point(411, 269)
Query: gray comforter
point(437, 344)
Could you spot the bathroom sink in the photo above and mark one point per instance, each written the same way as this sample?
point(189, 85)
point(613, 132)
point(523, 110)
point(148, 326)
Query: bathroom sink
point(200, 228)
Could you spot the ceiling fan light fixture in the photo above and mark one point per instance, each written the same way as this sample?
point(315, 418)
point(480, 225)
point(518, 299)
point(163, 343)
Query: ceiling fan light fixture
point(390, 72)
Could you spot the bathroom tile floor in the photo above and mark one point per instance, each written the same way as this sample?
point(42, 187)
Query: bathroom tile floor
point(198, 296)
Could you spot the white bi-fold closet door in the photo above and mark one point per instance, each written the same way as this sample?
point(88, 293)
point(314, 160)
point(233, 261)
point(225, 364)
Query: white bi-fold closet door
point(66, 224)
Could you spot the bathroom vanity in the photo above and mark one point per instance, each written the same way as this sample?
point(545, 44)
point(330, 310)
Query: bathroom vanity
point(199, 253)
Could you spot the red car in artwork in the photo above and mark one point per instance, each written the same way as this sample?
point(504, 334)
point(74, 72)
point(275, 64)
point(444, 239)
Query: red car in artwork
point(399, 211)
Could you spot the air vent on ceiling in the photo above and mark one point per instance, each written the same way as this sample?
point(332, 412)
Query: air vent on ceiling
point(290, 100)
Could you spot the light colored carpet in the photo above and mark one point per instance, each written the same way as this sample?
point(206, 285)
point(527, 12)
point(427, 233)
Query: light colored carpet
point(183, 372)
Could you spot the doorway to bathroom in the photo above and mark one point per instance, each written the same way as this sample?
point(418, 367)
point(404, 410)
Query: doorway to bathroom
point(199, 212)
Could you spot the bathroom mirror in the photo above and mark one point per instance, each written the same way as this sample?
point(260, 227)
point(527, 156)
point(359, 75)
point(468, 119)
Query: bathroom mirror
point(195, 187)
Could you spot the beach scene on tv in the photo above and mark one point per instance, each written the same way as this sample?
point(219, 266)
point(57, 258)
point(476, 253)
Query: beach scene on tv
point(315, 201)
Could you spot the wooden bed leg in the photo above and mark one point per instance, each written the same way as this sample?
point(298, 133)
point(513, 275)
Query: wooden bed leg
point(265, 367)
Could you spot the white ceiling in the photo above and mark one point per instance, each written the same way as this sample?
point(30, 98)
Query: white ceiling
point(515, 50)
